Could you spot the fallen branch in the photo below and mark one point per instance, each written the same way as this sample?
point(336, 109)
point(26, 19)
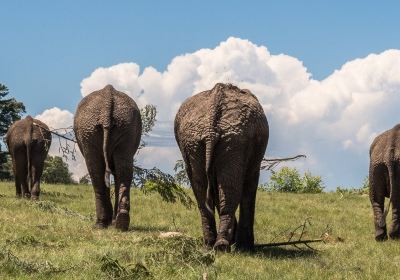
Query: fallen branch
point(294, 243)
point(270, 164)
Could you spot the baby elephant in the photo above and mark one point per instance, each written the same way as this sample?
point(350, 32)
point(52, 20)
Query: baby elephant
point(28, 142)
point(222, 134)
point(384, 179)
point(108, 128)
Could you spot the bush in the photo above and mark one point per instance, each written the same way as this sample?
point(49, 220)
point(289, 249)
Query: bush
point(85, 180)
point(289, 180)
point(56, 171)
point(364, 189)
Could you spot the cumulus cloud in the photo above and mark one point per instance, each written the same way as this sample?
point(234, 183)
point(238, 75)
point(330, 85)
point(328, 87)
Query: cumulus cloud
point(333, 121)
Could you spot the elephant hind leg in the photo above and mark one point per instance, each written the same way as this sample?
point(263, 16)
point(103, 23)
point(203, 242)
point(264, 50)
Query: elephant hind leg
point(96, 168)
point(245, 231)
point(37, 169)
point(230, 186)
point(394, 232)
point(378, 189)
point(123, 178)
point(198, 180)
point(20, 161)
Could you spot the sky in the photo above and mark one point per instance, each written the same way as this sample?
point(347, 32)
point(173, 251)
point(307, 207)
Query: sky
point(325, 72)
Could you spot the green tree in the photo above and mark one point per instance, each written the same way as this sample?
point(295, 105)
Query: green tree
point(85, 179)
point(56, 171)
point(289, 180)
point(10, 111)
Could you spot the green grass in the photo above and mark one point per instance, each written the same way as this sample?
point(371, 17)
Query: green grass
point(54, 239)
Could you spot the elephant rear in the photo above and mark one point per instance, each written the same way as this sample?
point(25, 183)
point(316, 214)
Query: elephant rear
point(28, 141)
point(223, 134)
point(108, 127)
point(384, 179)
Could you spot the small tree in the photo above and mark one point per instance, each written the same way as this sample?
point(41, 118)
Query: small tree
point(10, 111)
point(180, 173)
point(85, 180)
point(289, 180)
point(6, 171)
point(56, 171)
point(311, 184)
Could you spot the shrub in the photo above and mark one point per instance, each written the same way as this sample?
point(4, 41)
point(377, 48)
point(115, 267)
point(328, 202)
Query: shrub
point(364, 189)
point(56, 171)
point(289, 180)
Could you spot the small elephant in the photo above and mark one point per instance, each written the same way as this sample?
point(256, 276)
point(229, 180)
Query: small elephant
point(28, 142)
point(384, 180)
point(108, 128)
point(222, 134)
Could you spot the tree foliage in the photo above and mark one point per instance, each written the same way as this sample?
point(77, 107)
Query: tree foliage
point(180, 173)
point(289, 180)
point(10, 111)
point(153, 179)
point(56, 171)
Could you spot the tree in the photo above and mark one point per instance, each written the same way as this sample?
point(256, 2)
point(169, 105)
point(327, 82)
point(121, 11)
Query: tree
point(85, 179)
point(10, 111)
point(289, 180)
point(56, 171)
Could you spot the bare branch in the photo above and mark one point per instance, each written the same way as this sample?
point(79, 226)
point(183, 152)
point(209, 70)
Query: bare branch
point(294, 243)
point(270, 164)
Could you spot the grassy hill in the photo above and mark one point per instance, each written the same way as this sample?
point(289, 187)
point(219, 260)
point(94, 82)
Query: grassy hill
point(53, 238)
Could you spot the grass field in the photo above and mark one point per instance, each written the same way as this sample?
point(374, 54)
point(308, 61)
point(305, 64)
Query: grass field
point(54, 239)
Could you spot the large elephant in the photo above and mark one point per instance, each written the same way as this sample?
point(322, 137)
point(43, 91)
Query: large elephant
point(108, 128)
point(384, 179)
point(28, 142)
point(222, 134)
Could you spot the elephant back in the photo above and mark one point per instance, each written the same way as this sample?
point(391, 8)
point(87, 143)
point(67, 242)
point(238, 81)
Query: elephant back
point(225, 110)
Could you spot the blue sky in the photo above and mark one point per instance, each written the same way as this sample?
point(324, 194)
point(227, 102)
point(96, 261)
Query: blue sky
point(48, 47)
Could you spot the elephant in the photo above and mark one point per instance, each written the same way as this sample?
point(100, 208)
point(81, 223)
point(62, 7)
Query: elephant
point(108, 128)
point(28, 142)
point(384, 180)
point(222, 134)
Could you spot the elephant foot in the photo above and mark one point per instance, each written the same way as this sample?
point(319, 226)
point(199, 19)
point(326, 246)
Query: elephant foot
point(222, 245)
point(34, 197)
point(244, 247)
point(381, 235)
point(100, 225)
point(395, 235)
point(27, 195)
point(122, 220)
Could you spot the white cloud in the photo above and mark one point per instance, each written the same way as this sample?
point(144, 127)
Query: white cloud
point(333, 121)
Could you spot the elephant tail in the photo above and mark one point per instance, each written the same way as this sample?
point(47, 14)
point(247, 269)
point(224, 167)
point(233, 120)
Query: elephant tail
point(107, 124)
point(107, 173)
point(28, 142)
point(210, 189)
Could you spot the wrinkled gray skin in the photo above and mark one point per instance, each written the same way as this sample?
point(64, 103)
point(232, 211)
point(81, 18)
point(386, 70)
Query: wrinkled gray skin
point(108, 128)
point(28, 142)
point(222, 134)
point(384, 179)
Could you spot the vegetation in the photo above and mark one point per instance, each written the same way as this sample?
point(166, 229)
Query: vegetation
point(289, 180)
point(56, 171)
point(364, 189)
point(54, 239)
point(10, 111)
